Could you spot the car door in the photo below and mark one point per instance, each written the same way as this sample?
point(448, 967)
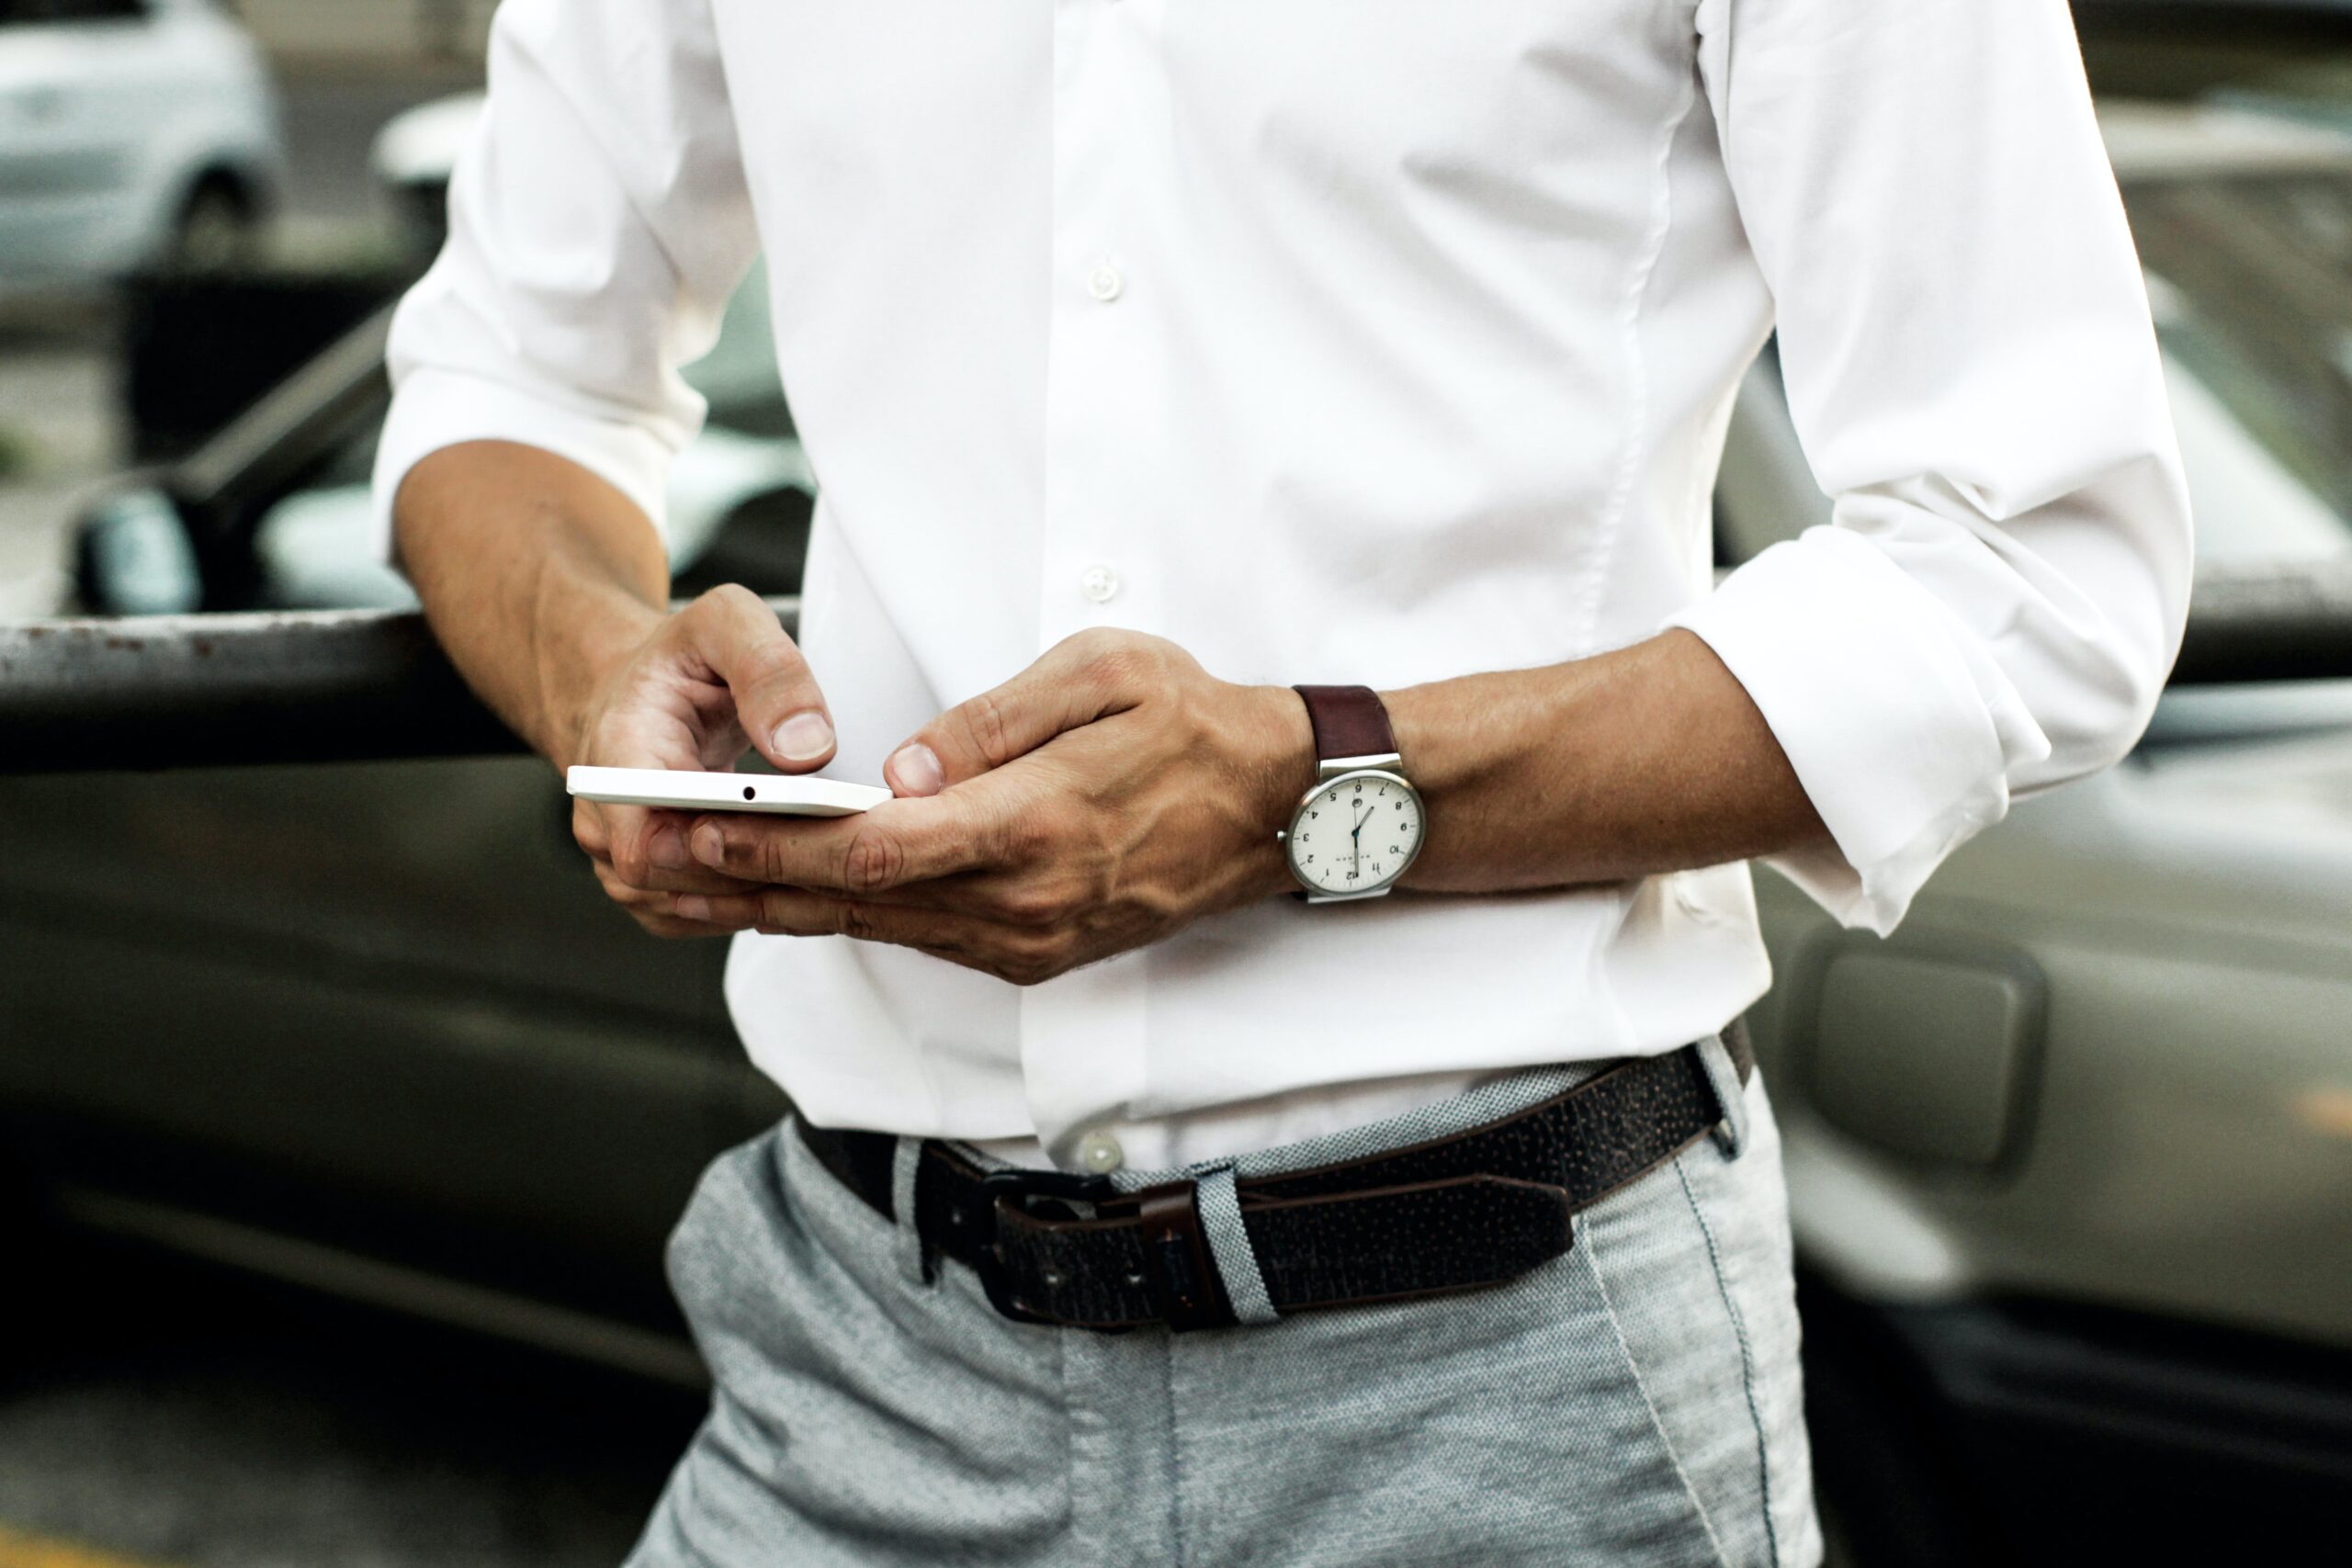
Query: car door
point(379, 1008)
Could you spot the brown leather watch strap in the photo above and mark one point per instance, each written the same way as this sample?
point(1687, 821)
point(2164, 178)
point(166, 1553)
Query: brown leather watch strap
point(1350, 721)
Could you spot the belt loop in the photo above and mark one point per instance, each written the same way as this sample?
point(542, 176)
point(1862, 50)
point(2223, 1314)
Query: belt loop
point(1237, 1260)
point(917, 1264)
point(1722, 1076)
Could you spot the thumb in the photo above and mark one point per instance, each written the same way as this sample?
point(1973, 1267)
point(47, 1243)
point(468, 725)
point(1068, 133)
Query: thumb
point(733, 630)
point(1079, 681)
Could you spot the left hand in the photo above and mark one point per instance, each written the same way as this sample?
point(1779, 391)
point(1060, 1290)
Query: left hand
point(1103, 798)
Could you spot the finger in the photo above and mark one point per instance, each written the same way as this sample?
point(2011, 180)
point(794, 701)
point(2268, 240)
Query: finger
point(648, 849)
point(897, 844)
point(975, 895)
point(653, 911)
point(1079, 680)
point(591, 829)
point(777, 696)
point(671, 927)
point(1024, 957)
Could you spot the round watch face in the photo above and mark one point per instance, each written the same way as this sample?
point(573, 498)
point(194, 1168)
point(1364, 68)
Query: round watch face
point(1355, 834)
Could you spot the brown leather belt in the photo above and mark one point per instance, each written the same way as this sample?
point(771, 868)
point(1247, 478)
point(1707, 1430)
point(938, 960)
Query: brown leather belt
point(1461, 1212)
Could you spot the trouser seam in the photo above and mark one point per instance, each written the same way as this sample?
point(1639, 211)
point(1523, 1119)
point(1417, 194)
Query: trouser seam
point(1175, 1457)
point(1747, 1359)
point(1588, 1244)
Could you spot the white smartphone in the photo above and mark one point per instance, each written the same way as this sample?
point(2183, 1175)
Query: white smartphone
point(681, 790)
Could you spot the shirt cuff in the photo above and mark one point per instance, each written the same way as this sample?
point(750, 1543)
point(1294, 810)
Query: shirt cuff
point(1868, 683)
point(436, 408)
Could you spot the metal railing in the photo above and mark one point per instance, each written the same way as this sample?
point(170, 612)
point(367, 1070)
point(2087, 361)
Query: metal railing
point(2268, 622)
point(203, 690)
point(353, 686)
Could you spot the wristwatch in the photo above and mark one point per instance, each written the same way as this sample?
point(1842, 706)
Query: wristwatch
point(1354, 833)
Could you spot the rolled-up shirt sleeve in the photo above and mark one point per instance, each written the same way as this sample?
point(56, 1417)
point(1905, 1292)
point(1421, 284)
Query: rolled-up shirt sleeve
point(1966, 338)
point(598, 222)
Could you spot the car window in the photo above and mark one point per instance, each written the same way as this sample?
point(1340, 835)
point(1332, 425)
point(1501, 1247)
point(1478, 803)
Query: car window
point(2248, 504)
point(2250, 278)
point(2250, 282)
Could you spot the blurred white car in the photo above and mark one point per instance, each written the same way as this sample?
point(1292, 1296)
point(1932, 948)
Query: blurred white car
point(133, 134)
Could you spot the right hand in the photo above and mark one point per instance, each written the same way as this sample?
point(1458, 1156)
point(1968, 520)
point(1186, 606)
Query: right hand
point(713, 680)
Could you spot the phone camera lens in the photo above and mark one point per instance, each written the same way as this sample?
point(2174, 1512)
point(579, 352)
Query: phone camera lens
point(747, 792)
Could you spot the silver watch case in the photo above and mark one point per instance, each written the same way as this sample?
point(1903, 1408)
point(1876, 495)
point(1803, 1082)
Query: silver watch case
point(1387, 767)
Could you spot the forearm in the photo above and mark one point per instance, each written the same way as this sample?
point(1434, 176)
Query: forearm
point(537, 577)
point(1646, 760)
point(1115, 791)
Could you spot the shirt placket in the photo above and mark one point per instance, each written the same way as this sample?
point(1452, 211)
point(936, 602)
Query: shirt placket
point(1083, 1046)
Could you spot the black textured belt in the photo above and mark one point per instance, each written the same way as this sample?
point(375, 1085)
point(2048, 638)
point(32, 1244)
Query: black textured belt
point(1470, 1209)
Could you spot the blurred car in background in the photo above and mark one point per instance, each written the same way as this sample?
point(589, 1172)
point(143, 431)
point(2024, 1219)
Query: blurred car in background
point(133, 133)
point(275, 513)
point(2070, 1157)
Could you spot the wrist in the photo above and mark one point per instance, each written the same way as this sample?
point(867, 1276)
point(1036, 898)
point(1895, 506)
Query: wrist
point(1362, 826)
point(1428, 723)
point(576, 656)
point(1278, 768)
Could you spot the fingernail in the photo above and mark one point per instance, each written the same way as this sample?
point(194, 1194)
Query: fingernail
point(692, 907)
point(915, 769)
point(709, 845)
point(668, 850)
point(804, 738)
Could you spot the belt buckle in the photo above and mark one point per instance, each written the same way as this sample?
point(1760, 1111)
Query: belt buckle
point(1020, 1189)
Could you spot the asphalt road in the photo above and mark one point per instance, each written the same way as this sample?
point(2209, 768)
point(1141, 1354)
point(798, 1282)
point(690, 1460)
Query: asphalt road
point(155, 1414)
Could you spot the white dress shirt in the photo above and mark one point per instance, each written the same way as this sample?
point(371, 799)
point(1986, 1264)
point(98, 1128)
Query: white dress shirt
point(1351, 340)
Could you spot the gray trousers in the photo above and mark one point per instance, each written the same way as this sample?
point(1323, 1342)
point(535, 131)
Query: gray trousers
point(1636, 1401)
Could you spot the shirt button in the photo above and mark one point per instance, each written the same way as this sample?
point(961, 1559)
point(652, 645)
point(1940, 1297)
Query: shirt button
point(1099, 584)
point(1104, 283)
point(1101, 1153)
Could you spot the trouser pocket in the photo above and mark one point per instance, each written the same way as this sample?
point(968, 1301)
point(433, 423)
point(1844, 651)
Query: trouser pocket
point(1695, 1264)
